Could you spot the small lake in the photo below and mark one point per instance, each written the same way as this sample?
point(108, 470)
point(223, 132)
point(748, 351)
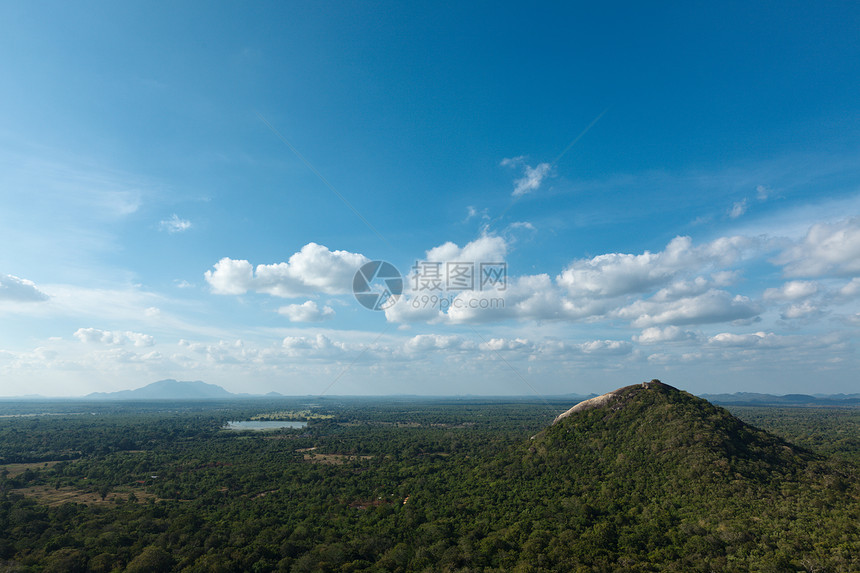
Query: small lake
point(276, 425)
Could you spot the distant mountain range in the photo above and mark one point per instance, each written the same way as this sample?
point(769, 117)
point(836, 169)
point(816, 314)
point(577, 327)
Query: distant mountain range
point(175, 390)
point(754, 399)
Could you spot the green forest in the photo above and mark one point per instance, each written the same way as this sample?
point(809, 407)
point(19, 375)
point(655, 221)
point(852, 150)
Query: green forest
point(657, 480)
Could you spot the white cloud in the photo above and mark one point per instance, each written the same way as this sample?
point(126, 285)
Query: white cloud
point(530, 297)
point(681, 289)
point(423, 343)
point(756, 339)
point(230, 276)
point(792, 290)
point(738, 209)
point(601, 288)
point(472, 212)
point(724, 278)
point(532, 176)
point(655, 335)
point(414, 309)
point(853, 319)
point(17, 289)
point(522, 225)
point(487, 249)
point(710, 307)
point(828, 249)
point(512, 161)
point(175, 225)
point(804, 309)
point(763, 192)
point(611, 347)
point(308, 311)
point(531, 180)
point(420, 304)
point(314, 269)
point(850, 290)
point(497, 344)
point(320, 346)
point(94, 335)
point(556, 349)
point(617, 274)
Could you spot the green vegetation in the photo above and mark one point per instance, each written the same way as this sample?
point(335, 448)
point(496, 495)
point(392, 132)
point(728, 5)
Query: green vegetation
point(657, 480)
point(830, 431)
point(302, 415)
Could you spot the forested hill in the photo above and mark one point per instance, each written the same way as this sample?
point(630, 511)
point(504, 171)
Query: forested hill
point(653, 427)
point(649, 477)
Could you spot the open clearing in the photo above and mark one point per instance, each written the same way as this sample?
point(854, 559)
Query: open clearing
point(17, 469)
point(53, 496)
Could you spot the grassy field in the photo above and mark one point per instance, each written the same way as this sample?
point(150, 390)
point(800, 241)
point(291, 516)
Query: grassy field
point(53, 496)
point(17, 469)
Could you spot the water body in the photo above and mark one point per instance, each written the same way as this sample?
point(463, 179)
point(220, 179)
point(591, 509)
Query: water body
point(258, 426)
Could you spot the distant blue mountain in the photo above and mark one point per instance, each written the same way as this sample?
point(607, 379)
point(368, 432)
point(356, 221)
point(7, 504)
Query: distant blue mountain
point(754, 399)
point(167, 390)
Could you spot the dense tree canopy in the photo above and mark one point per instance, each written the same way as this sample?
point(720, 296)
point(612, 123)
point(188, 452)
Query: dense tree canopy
point(659, 481)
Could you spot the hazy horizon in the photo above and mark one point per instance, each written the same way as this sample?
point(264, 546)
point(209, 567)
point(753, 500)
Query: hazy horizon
point(268, 394)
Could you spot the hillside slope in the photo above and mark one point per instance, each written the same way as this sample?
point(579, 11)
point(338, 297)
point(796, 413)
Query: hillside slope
point(655, 427)
point(649, 478)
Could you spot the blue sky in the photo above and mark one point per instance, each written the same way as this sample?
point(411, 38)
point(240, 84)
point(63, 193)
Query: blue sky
point(187, 189)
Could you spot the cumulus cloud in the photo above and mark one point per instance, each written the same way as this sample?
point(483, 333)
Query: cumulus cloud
point(308, 311)
point(850, 290)
point(425, 287)
point(655, 335)
point(423, 343)
point(230, 276)
point(320, 346)
point(805, 309)
point(678, 285)
point(415, 308)
point(828, 249)
point(710, 307)
point(314, 269)
point(792, 290)
point(497, 344)
point(175, 225)
point(555, 348)
point(681, 289)
point(522, 225)
point(487, 248)
point(114, 338)
point(616, 274)
point(756, 339)
point(532, 176)
point(609, 347)
point(17, 289)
